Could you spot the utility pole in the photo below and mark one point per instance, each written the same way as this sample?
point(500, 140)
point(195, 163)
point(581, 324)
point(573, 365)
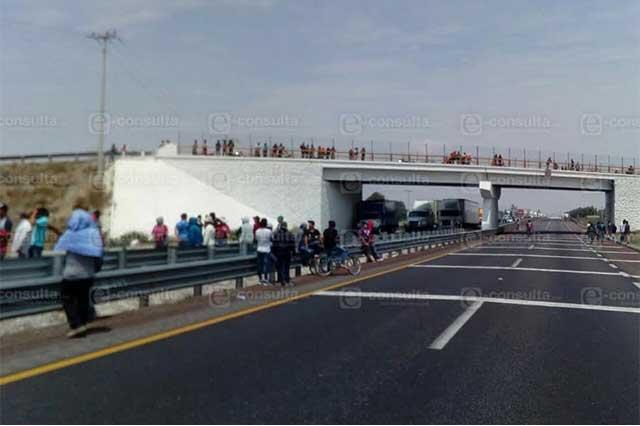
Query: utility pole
point(103, 39)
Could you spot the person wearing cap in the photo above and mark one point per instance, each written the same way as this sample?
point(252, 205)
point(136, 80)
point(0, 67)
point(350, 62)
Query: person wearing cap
point(283, 247)
point(5, 230)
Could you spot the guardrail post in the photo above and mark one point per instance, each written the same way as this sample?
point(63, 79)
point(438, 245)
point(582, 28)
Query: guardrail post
point(197, 290)
point(239, 282)
point(211, 252)
point(298, 271)
point(56, 266)
point(243, 249)
point(122, 258)
point(143, 300)
point(171, 255)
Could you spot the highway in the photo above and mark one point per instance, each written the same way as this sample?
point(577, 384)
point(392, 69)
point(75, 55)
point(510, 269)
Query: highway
point(542, 329)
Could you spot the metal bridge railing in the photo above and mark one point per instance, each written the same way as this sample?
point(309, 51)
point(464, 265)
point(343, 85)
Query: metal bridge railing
point(461, 155)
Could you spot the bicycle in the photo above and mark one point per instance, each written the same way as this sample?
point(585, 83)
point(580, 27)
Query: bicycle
point(329, 264)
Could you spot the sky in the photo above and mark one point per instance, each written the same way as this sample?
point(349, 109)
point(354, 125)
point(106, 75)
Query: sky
point(544, 75)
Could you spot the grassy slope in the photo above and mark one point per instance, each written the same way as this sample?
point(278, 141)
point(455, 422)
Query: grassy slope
point(55, 186)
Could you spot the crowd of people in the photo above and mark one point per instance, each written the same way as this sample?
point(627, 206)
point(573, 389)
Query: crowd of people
point(221, 147)
point(274, 151)
point(456, 157)
point(83, 243)
point(227, 147)
point(275, 245)
point(599, 231)
point(32, 231)
point(497, 160)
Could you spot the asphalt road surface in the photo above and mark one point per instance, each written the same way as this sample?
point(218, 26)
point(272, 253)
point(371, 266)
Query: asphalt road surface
point(538, 329)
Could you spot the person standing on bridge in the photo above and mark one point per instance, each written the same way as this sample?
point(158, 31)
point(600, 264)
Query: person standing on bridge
point(84, 250)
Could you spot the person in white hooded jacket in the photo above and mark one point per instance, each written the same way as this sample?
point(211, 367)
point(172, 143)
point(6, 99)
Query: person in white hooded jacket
point(246, 232)
point(22, 236)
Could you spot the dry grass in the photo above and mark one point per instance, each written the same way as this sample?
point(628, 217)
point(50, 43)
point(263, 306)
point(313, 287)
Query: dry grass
point(56, 186)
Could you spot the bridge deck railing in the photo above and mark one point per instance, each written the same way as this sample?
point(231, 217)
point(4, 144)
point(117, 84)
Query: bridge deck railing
point(528, 159)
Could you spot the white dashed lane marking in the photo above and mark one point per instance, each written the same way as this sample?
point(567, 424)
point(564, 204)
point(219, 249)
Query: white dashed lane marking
point(516, 263)
point(442, 340)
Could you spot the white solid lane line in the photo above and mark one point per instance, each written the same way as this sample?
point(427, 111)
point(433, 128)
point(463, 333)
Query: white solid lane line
point(516, 263)
point(546, 256)
point(542, 248)
point(442, 340)
point(613, 266)
point(509, 268)
point(637, 285)
point(498, 300)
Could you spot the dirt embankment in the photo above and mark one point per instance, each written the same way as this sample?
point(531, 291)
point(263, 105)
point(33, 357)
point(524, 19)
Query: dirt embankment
point(25, 187)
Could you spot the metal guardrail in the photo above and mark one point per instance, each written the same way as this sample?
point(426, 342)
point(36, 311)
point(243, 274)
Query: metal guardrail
point(66, 156)
point(12, 269)
point(38, 292)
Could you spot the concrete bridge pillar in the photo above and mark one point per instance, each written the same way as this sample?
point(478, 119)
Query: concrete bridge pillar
point(610, 206)
point(490, 196)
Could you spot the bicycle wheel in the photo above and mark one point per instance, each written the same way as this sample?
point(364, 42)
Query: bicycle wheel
point(353, 265)
point(324, 266)
point(313, 267)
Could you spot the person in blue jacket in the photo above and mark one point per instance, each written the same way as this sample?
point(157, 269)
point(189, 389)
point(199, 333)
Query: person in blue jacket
point(194, 233)
point(84, 249)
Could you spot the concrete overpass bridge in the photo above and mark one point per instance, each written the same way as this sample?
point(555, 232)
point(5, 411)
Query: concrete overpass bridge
point(168, 184)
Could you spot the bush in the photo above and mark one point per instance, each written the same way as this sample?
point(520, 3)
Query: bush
point(126, 239)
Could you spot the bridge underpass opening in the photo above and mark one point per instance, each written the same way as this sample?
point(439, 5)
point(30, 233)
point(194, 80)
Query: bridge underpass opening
point(550, 202)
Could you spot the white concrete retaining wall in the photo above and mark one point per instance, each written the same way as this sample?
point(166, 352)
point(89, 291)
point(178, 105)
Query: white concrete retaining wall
point(627, 200)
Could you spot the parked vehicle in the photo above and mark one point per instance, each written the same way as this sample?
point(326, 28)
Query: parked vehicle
point(459, 212)
point(387, 215)
point(422, 217)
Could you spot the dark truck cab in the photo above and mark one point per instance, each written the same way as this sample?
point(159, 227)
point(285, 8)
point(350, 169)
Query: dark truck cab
point(385, 214)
